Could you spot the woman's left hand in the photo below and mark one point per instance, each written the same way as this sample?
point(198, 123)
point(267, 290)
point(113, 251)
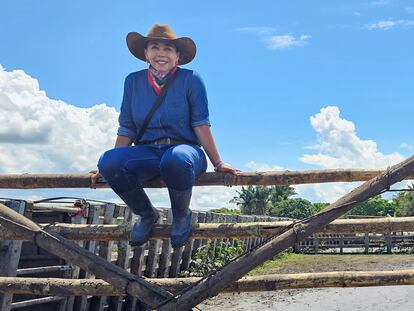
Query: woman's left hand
point(227, 168)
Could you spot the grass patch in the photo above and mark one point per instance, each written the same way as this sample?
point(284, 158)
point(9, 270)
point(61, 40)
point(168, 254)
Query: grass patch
point(301, 263)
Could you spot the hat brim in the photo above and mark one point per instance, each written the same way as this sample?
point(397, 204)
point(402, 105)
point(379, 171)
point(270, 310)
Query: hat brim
point(137, 43)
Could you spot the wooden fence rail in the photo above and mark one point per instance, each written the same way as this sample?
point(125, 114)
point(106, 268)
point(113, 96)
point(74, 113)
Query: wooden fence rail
point(117, 232)
point(96, 287)
point(32, 181)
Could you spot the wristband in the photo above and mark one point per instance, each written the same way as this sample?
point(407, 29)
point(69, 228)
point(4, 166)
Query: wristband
point(218, 165)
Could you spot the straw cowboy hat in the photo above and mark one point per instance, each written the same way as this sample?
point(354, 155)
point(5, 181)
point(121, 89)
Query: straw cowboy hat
point(137, 43)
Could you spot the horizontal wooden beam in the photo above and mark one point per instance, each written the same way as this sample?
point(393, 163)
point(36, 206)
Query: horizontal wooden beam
point(32, 181)
point(221, 230)
point(96, 287)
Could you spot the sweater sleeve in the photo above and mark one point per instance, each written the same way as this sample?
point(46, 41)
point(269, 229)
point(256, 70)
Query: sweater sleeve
point(126, 123)
point(197, 97)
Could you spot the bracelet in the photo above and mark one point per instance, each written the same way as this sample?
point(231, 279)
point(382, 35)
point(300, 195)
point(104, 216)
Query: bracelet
point(218, 165)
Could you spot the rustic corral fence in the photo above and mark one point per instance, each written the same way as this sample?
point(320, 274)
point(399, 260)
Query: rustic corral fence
point(157, 294)
point(155, 259)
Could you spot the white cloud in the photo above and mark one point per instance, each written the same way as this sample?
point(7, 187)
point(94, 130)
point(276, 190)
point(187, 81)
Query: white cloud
point(410, 10)
point(390, 24)
point(256, 167)
point(406, 146)
point(340, 147)
point(275, 41)
point(39, 134)
point(283, 42)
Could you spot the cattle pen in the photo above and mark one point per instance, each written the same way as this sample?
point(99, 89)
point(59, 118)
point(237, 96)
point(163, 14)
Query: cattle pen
point(98, 270)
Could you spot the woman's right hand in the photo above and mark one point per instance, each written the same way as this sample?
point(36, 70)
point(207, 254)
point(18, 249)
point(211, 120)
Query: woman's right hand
point(94, 177)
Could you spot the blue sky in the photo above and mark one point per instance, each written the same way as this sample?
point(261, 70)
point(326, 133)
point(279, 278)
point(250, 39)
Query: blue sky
point(269, 66)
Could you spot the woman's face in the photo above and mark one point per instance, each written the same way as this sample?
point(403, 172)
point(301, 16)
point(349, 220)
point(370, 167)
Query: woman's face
point(162, 56)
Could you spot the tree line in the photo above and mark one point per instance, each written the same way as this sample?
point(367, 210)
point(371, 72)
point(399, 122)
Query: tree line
point(278, 201)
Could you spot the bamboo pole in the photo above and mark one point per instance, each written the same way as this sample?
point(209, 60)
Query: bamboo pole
point(32, 181)
point(234, 271)
point(220, 230)
point(272, 282)
point(149, 293)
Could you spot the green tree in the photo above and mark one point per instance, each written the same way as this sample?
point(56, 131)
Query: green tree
point(375, 206)
point(404, 202)
point(253, 200)
point(320, 206)
point(280, 193)
point(296, 208)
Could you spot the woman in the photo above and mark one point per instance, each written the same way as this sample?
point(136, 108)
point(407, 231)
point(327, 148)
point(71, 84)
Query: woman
point(170, 145)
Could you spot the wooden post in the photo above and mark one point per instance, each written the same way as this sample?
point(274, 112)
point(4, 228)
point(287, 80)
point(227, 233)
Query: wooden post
point(235, 270)
point(315, 241)
point(153, 256)
point(81, 302)
point(388, 238)
point(198, 242)
point(115, 303)
point(165, 256)
point(72, 252)
point(10, 256)
point(176, 261)
point(366, 243)
point(188, 248)
point(78, 219)
point(105, 251)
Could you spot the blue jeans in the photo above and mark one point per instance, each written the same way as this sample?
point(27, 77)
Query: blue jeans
point(125, 168)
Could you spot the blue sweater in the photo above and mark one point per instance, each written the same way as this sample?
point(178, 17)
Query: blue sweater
point(185, 106)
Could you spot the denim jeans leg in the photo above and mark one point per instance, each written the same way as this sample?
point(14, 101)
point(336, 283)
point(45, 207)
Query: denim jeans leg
point(125, 168)
point(181, 164)
point(179, 167)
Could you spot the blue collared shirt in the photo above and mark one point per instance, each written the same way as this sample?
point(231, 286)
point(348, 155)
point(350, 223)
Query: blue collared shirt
point(184, 107)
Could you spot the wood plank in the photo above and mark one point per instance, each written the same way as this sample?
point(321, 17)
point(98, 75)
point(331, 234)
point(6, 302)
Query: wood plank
point(151, 265)
point(166, 249)
point(105, 251)
point(199, 242)
point(33, 181)
point(222, 230)
point(124, 250)
point(96, 287)
point(81, 302)
point(188, 248)
point(10, 256)
point(78, 219)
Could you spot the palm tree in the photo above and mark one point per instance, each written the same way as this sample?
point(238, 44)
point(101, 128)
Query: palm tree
point(253, 200)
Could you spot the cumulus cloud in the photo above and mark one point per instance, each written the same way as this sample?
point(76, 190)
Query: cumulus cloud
point(275, 41)
point(39, 134)
point(340, 147)
point(390, 24)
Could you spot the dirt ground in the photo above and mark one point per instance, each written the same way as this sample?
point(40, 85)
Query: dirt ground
point(396, 298)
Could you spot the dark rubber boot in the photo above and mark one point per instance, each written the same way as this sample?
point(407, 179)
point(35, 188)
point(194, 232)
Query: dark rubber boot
point(140, 204)
point(181, 224)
